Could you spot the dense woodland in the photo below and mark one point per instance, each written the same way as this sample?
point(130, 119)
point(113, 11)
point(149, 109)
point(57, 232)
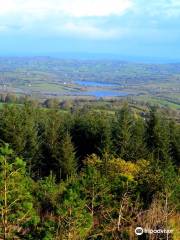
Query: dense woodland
point(86, 175)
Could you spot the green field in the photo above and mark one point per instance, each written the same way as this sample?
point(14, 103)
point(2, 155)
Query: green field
point(46, 77)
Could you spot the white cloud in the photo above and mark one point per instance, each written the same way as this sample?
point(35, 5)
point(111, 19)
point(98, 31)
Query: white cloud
point(160, 8)
point(75, 8)
point(91, 31)
point(83, 8)
point(62, 16)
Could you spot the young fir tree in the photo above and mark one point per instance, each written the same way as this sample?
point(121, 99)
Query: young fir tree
point(18, 127)
point(158, 137)
point(75, 220)
point(68, 159)
point(174, 142)
point(50, 143)
point(16, 202)
point(137, 146)
point(11, 127)
point(91, 133)
point(31, 148)
point(123, 132)
point(46, 193)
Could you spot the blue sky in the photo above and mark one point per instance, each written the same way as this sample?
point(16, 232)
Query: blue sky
point(120, 27)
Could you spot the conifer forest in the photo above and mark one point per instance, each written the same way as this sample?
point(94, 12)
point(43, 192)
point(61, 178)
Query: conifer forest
point(88, 175)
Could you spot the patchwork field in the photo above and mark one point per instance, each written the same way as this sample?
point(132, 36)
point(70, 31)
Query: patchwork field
point(45, 77)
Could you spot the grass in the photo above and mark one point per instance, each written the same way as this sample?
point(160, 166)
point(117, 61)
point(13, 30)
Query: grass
point(43, 78)
point(47, 87)
point(158, 101)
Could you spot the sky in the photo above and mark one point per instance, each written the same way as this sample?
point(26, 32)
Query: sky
point(134, 28)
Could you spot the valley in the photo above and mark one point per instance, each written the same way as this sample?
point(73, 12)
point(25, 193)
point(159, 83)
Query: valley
point(46, 77)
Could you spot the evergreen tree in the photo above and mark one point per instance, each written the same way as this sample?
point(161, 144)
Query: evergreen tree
point(50, 143)
point(68, 159)
point(31, 138)
point(174, 142)
point(18, 127)
point(75, 220)
point(157, 136)
point(137, 142)
point(123, 132)
point(12, 127)
point(16, 202)
point(91, 133)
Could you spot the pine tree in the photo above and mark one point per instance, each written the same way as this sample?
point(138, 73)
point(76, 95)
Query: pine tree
point(68, 159)
point(123, 132)
point(16, 202)
point(75, 220)
point(174, 142)
point(157, 136)
point(11, 127)
point(31, 139)
point(18, 128)
point(91, 134)
point(137, 146)
point(50, 143)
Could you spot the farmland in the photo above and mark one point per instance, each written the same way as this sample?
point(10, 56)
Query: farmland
point(46, 77)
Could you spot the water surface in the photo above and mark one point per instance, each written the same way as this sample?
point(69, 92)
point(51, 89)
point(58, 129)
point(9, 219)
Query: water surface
point(99, 91)
point(106, 93)
point(95, 84)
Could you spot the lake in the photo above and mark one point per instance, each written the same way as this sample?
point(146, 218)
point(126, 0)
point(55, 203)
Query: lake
point(100, 92)
point(105, 93)
point(95, 84)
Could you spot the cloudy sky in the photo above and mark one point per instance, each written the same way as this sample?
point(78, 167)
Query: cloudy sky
point(121, 27)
